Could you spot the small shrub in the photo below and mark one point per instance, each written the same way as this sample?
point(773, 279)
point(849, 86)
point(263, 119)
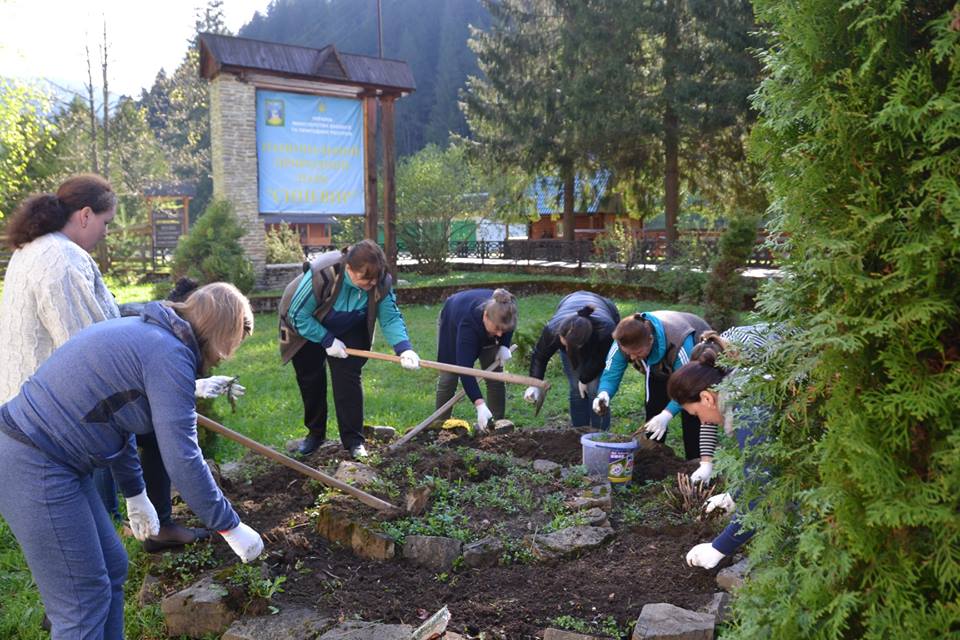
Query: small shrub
point(211, 252)
point(724, 290)
point(283, 245)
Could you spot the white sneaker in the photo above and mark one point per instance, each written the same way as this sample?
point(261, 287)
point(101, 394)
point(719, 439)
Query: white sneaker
point(358, 452)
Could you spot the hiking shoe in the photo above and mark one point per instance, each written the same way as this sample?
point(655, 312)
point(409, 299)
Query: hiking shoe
point(358, 452)
point(310, 444)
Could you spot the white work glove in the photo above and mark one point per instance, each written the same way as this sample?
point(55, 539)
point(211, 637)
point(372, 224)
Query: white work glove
point(721, 501)
point(703, 472)
point(235, 390)
point(484, 416)
point(704, 555)
point(504, 356)
point(337, 349)
point(244, 541)
point(582, 388)
point(409, 359)
point(602, 399)
point(143, 516)
point(656, 427)
point(212, 387)
point(532, 394)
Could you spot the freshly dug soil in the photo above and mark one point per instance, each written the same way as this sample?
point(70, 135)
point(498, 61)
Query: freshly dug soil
point(643, 563)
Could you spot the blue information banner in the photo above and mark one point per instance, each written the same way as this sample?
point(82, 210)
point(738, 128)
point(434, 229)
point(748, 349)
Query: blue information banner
point(309, 154)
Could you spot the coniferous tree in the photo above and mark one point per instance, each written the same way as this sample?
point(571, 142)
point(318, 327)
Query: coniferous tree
point(859, 534)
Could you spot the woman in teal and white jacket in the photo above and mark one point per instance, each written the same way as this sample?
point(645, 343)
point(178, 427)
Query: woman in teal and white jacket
point(657, 343)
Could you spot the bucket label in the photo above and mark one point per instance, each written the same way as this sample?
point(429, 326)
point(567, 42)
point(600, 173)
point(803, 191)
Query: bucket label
point(620, 466)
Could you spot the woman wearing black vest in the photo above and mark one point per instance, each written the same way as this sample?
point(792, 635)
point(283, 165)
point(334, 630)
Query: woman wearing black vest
point(334, 305)
point(581, 330)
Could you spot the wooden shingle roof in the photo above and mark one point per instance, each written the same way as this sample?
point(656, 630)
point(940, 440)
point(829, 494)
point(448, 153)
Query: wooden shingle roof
point(219, 53)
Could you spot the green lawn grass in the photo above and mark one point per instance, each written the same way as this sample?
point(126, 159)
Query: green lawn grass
point(271, 411)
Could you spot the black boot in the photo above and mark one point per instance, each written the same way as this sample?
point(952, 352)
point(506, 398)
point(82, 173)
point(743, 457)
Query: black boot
point(310, 443)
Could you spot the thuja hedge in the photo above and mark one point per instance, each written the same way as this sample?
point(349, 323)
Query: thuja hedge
point(860, 135)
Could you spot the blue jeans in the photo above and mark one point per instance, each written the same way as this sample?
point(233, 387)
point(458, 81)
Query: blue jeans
point(581, 409)
point(154, 476)
point(71, 546)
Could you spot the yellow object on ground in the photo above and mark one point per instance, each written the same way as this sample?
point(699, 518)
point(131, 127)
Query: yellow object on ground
point(456, 423)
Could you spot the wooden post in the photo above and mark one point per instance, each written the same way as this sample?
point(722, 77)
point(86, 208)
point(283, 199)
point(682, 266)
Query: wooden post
point(185, 223)
point(389, 185)
point(370, 161)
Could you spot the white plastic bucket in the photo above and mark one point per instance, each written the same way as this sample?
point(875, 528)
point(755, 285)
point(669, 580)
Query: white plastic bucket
point(612, 459)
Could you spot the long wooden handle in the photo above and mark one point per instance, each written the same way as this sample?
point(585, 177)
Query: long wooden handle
point(310, 472)
point(446, 406)
point(502, 376)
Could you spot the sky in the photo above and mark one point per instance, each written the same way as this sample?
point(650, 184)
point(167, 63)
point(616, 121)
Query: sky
point(46, 38)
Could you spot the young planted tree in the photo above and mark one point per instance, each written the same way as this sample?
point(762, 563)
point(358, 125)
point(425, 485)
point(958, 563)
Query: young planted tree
point(860, 131)
point(211, 251)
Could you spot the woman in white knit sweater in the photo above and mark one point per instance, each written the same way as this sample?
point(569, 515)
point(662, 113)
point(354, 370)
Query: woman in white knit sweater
point(52, 290)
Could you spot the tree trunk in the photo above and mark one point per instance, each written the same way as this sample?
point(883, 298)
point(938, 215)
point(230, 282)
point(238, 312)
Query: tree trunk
point(671, 128)
point(106, 109)
point(94, 161)
point(569, 223)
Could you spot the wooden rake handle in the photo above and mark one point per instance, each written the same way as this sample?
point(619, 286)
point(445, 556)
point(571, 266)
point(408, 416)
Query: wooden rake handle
point(286, 461)
point(502, 376)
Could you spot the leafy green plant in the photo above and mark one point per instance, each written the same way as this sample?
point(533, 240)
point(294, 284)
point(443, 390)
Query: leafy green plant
point(189, 563)
point(283, 245)
point(211, 251)
point(857, 533)
point(250, 578)
point(606, 625)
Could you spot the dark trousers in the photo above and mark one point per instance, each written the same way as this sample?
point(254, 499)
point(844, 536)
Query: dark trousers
point(496, 391)
point(657, 402)
point(347, 386)
point(154, 476)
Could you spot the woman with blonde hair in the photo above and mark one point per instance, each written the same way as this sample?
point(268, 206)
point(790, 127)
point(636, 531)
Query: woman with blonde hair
point(476, 324)
point(82, 410)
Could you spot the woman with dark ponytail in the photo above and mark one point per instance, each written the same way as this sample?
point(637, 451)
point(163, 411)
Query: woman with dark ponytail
point(582, 330)
point(476, 324)
point(712, 391)
point(52, 290)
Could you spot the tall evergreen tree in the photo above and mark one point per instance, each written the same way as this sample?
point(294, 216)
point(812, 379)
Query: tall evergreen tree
point(860, 131)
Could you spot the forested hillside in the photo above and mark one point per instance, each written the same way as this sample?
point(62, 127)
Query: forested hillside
point(431, 35)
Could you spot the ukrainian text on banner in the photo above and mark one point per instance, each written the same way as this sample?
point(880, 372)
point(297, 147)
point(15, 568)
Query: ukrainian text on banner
point(309, 154)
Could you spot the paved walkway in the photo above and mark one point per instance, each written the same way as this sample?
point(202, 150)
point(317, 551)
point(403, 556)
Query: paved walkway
point(498, 262)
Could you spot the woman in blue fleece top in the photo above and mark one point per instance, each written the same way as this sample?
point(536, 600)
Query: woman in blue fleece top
point(657, 343)
point(83, 409)
point(476, 324)
point(697, 387)
point(335, 304)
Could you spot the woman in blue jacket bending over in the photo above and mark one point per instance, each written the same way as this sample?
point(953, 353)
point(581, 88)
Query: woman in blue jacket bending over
point(581, 329)
point(82, 409)
point(476, 324)
point(657, 343)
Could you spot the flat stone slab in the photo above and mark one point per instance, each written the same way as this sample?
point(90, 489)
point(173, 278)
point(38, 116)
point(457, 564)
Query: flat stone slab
point(198, 610)
point(434, 627)
point(359, 630)
point(483, 553)
point(289, 624)
point(596, 517)
point(379, 433)
point(717, 607)
point(663, 621)
point(340, 527)
point(546, 466)
point(433, 552)
point(567, 541)
point(356, 473)
point(416, 500)
point(561, 634)
point(731, 578)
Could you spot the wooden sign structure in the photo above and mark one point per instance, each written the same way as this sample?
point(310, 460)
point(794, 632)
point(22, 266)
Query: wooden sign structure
point(238, 67)
point(168, 221)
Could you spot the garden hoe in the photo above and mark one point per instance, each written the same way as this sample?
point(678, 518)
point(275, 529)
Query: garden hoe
point(502, 376)
point(446, 406)
point(310, 472)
